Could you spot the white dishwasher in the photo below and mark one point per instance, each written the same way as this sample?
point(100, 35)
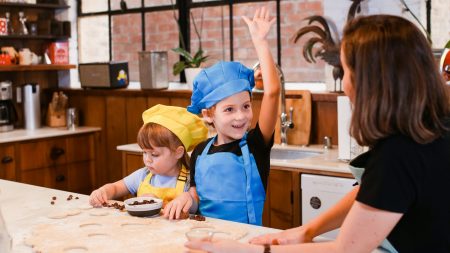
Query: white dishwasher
point(319, 193)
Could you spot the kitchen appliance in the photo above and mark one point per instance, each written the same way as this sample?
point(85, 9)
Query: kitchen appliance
point(32, 106)
point(153, 70)
point(8, 114)
point(319, 193)
point(104, 75)
point(348, 147)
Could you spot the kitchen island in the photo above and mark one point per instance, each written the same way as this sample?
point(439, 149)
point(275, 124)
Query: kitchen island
point(27, 208)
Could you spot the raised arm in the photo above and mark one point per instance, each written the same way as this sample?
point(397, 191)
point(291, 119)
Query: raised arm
point(259, 27)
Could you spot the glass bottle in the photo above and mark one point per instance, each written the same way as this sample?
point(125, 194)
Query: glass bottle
point(9, 24)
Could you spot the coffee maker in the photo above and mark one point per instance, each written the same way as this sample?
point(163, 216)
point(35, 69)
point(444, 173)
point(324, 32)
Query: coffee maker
point(8, 114)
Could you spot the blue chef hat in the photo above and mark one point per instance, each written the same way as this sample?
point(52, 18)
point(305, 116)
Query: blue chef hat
point(219, 81)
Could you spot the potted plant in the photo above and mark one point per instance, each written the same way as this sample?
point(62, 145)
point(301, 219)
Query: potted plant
point(190, 63)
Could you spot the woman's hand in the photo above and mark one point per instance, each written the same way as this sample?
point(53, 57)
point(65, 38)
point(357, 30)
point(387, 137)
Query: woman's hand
point(290, 236)
point(223, 246)
point(260, 25)
point(182, 203)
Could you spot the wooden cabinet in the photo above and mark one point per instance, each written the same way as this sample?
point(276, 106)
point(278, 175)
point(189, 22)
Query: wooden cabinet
point(7, 162)
point(131, 161)
point(282, 207)
point(65, 163)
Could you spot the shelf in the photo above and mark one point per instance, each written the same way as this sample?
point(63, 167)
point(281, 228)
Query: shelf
point(41, 67)
point(33, 37)
point(34, 6)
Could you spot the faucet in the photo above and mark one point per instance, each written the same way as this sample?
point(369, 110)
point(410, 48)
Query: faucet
point(285, 123)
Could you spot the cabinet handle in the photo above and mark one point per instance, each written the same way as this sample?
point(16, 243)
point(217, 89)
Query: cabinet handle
point(60, 178)
point(7, 159)
point(55, 153)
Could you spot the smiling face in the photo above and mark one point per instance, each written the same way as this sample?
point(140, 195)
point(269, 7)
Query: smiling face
point(232, 117)
point(162, 161)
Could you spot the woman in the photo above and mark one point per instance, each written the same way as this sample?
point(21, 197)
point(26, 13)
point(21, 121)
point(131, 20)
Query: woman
point(401, 111)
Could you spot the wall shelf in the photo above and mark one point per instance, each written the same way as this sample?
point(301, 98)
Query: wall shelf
point(34, 6)
point(33, 37)
point(40, 67)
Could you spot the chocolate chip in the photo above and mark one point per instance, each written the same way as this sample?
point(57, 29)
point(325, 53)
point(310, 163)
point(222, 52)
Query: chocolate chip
point(53, 202)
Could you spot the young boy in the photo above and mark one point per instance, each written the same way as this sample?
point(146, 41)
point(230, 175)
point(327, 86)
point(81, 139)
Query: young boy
point(229, 171)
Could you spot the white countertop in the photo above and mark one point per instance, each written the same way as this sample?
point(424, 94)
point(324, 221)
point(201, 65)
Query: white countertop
point(25, 207)
point(44, 132)
point(326, 161)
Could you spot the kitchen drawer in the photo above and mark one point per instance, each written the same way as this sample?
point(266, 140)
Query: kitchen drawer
point(7, 162)
point(43, 153)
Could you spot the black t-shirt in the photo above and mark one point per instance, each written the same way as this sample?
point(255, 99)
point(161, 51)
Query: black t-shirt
point(256, 146)
point(406, 177)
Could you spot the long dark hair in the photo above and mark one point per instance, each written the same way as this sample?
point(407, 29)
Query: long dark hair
point(396, 82)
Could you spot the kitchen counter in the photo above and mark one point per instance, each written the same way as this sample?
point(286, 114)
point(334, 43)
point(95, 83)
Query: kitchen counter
point(326, 161)
point(26, 207)
point(45, 132)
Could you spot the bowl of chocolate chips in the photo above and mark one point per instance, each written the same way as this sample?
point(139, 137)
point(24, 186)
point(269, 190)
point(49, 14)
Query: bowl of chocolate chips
point(143, 206)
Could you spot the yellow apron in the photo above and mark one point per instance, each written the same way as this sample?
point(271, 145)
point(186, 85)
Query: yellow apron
point(164, 193)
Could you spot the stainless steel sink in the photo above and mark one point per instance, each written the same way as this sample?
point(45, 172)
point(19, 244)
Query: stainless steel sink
point(291, 154)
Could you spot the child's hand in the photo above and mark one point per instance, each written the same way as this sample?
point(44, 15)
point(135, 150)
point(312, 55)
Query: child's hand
point(98, 197)
point(260, 25)
point(180, 204)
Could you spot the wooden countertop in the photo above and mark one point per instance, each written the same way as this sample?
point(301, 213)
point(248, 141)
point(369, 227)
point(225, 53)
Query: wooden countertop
point(26, 206)
point(45, 132)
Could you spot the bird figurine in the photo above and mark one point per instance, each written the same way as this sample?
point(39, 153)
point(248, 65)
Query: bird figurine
point(329, 48)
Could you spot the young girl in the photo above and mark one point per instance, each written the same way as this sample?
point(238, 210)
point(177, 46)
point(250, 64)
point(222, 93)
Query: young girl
point(401, 111)
point(229, 172)
point(168, 132)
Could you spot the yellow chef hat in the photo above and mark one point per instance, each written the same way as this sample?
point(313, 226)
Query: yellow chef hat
point(188, 127)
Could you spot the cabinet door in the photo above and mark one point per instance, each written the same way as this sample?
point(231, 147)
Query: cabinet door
point(131, 162)
point(79, 178)
point(7, 162)
point(283, 200)
point(80, 148)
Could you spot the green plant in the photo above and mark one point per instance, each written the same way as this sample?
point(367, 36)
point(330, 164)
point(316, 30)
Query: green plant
point(189, 60)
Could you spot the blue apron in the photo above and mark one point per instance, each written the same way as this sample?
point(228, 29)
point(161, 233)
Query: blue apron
point(229, 186)
point(385, 245)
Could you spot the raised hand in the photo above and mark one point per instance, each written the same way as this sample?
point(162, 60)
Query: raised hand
point(260, 25)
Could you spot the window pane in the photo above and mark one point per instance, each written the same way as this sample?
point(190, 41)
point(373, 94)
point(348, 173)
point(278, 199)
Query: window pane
point(244, 51)
point(131, 4)
point(215, 34)
point(127, 41)
point(151, 3)
point(93, 37)
point(294, 66)
point(89, 6)
point(161, 34)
